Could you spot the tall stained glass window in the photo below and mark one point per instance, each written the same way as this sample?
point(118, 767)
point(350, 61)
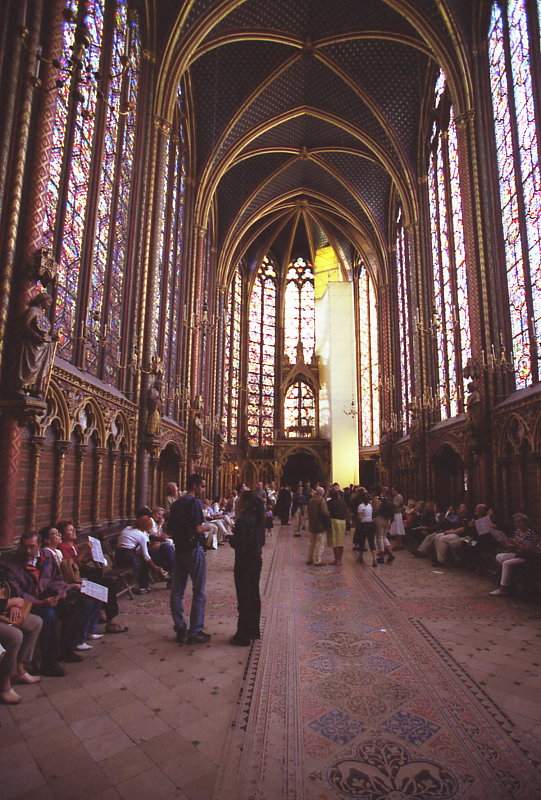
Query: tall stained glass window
point(231, 372)
point(300, 411)
point(450, 322)
point(404, 324)
point(92, 156)
point(299, 317)
point(167, 294)
point(513, 44)
point(262, 355)
point(369, 361)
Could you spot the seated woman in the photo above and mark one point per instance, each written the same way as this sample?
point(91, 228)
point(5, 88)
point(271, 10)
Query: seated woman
point(132, 550)
point(523, 545)
point(19, 631)
point(100, 573)
point(248, 540)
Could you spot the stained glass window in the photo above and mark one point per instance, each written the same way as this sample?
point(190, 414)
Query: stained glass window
point(231, 370)
point(369, 361)
point(299, 318)
point(404, 325)
point(512, 38)
point(167, 292)
point(300, 411)
point(450, 321)
point(262, 356)
point(92, 155)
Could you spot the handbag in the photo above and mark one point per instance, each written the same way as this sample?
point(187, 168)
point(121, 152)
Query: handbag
point(5, 594)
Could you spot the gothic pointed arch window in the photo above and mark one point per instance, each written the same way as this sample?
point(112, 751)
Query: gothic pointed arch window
point(300, 411)
point(89, 189)
point(299, 315)
point(262, 355)
point(450, 318)
point(231, 372)
point(167, 294)
point(404, 323)
point(369, 360)
point(514, 59)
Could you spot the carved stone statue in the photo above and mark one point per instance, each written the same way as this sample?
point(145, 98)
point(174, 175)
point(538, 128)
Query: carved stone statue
point(416, 432)
point(196, 429)
point(37, 348)
point(475, 416)
point(154, 406)
point(219, 444)
point(386, 448)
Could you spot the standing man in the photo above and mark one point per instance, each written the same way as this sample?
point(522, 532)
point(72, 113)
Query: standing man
point(318, 522)
point(186, 525)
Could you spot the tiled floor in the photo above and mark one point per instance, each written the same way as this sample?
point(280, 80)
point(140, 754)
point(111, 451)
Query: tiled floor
point(399, 666)
point(140, 718)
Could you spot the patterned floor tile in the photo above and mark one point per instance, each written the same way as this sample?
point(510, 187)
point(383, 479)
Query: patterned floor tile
point(337, 726)
point(414, 729)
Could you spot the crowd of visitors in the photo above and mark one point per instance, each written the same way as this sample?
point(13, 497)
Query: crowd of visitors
point(50, 610)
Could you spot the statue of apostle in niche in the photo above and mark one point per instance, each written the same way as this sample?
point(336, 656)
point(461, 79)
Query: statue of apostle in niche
point(154, 405)
point(37, 348)
point(196, 428)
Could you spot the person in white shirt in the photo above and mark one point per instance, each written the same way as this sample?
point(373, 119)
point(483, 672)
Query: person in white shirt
point(132, 550)
point(366, 527)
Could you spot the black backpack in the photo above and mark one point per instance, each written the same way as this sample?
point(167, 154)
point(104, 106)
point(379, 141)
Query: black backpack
point(386, 508)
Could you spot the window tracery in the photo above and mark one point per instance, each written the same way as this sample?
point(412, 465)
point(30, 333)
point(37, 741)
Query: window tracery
point(231, 372)
point(92, 156)
point(262, 355)
point(300, 411)
point(512, 41)
point(369, 361)
point(299, 317)
point(450, 320)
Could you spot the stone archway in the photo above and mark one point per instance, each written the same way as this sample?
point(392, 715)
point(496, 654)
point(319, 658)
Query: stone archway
point(301, 466)
point(448, 472)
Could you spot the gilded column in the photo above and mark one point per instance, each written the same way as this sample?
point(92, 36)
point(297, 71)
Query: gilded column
point(80, 450)
point(114, 456)
point(61, 450)
point(197, 310)
point(100, 452)
point(18, 168)
point(37, 448)
point(41, 143)
point(160, 136)
point(15, 32)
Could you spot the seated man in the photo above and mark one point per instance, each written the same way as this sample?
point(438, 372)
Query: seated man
point(132, 550)
point(89, 609)
point(524, 544)
point(19, 632)
point(37, 579)
point(448, 544)
point(429, 523)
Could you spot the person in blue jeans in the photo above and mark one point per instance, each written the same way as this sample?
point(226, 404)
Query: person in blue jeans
point(185, 525)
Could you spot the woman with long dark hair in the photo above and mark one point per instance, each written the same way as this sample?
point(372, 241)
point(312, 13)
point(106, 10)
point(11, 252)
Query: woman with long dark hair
point(247, 540)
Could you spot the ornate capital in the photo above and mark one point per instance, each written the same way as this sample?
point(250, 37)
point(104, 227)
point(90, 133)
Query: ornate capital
point(462, 120)
point(163, 125)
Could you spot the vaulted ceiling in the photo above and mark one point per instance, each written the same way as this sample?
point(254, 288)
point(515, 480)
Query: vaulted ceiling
point(310, 111)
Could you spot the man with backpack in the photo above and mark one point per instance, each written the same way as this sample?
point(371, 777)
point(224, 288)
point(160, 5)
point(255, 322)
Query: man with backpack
point(185, 526)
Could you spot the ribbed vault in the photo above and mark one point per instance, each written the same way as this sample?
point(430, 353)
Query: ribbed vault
point(310, 110)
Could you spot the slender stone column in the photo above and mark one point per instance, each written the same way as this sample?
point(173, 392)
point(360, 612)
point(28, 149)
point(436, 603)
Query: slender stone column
point(37, 449)
point(61, 450)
